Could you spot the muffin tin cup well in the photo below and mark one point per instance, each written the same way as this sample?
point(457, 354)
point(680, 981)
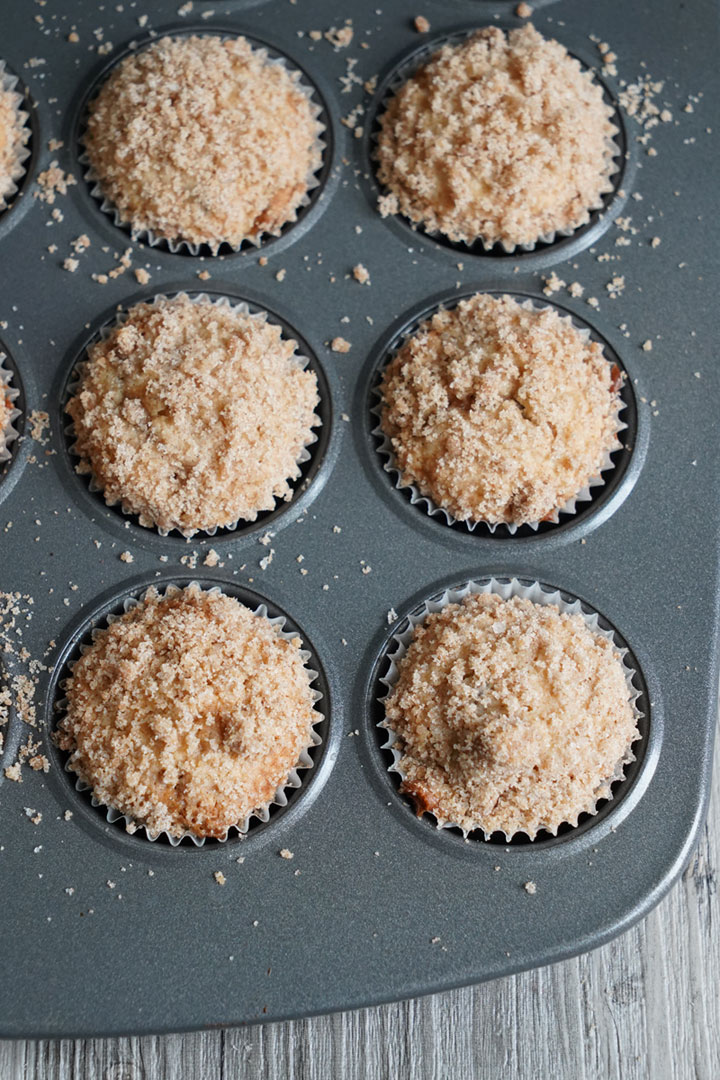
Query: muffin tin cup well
point(614, 181)
point(419, 498)
point(307, 461)
point(626, 769)
point(10, 83)
point(315, 181)
point(284, 793)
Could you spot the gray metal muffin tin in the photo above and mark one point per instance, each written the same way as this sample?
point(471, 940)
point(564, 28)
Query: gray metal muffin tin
point(375, 904)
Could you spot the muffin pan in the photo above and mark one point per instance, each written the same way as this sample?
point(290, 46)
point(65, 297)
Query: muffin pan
point(112, 933)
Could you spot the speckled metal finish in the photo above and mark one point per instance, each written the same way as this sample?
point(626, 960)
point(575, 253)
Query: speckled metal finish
point(105, 932)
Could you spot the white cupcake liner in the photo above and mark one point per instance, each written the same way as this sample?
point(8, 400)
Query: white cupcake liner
point(614, 153)
point(425, 501)
point(84, 468)
point(10, 393)
point(179, 246)
point(261, 813)
point(538, 594)
point(9, 83)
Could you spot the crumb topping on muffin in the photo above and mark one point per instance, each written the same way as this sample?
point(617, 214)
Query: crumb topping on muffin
point(499, 412)
point(203, 140)
point(503, 138)
point(193, 414)
point(509, 715)
point(13, 136)
point(188, 712)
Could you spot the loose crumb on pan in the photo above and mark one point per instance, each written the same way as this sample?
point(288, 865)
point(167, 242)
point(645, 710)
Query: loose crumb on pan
point(499, 412)
point(187, 712)
point(203, 140)
point(193, 414)
point(361, 274)
point(53, 182)
point(503, 138)
point(340, 345)
point(530, 888)
point(219, 877)
point(339, 37)
point(523, 10)
point(421, 24)
point(509, 715)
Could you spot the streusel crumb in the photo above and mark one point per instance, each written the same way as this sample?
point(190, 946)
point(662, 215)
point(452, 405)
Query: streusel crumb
point(188, 712)
point(498, 412)
point(193, 415)
point(510, 716)
point(504, 138)
point(203, 140)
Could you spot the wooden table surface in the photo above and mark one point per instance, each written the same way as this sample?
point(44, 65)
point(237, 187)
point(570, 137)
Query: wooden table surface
point(645, 1006)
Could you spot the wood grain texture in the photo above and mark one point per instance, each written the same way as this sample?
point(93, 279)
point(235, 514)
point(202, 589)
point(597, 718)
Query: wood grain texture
point(646, 1005)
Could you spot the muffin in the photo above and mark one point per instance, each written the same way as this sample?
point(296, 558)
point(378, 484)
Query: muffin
point(500, 412)
point(509, 716)
point(193, 414)
point(503, 139)
point(188, 713)
point(14, 134)
point(203, 140)
point(8, 413)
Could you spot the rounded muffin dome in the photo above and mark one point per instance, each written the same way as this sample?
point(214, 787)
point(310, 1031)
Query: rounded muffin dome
point(204, 140)
point(504, 138)
point(193, 414)
point(509, 715)
point(500, 412)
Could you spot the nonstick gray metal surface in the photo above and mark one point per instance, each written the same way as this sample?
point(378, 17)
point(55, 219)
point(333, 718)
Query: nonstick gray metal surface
point(105, 932)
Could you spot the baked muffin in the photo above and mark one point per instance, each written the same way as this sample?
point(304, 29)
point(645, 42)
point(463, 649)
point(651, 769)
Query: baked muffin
point(499, 412)
point(14, 134)
point(509, 716)
point(7, 413)
point(193, 414)
point(503, 138)
point(187, 713)
point(203, 140)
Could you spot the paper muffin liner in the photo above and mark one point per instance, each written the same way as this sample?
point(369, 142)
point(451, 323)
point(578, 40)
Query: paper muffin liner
point(8, 394)
point(186, 247)
point(425, 501)
point(613, 159)
point(9, 83)
point(538, 594)
point(261, 813)
point(84, 468)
